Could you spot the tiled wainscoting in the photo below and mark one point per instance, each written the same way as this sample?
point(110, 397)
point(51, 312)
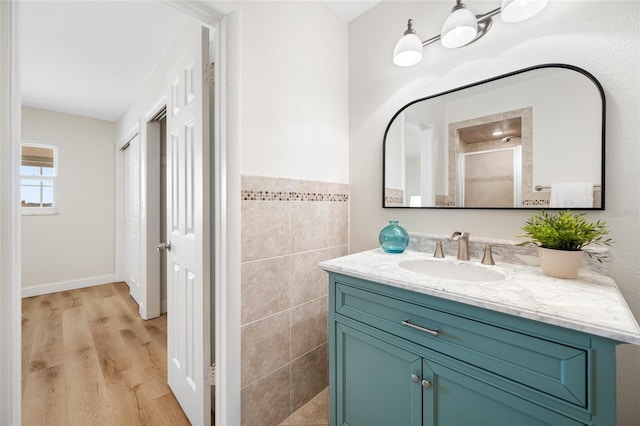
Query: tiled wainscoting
point(288, 226)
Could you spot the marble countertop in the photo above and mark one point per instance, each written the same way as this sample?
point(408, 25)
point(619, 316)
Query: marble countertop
point(592, 303)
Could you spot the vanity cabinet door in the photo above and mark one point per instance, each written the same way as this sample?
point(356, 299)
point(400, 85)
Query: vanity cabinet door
point(456, 397)
point(378, 383)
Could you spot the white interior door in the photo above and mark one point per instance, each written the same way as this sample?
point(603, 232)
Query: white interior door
point(188, 348)
point(126, 263)
point(133, 225)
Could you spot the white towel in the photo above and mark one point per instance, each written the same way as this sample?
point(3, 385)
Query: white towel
point(571, 194)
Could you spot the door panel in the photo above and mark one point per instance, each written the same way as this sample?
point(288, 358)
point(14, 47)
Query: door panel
point(376, 381)
point(134, 221)
point(457, 398)
point(187, 196)
point(126, 187)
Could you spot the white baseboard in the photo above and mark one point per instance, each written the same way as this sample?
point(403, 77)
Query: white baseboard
point(38, 290)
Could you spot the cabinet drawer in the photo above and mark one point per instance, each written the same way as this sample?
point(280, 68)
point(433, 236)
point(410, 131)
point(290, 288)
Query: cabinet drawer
point(551, 368)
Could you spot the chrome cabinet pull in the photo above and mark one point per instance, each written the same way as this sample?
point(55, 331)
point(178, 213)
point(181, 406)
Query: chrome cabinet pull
point(433, 332)
point(426, 384)
point(414, 378)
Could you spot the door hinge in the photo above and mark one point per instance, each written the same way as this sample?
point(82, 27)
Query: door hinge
point(209, 73)
point(211, 375)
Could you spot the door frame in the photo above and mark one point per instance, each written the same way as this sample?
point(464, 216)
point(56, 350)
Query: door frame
point(224, 16)
point(10, 223)
point(517, 173)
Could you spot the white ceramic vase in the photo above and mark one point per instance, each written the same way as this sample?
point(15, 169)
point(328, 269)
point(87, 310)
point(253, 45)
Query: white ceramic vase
point(560, 263)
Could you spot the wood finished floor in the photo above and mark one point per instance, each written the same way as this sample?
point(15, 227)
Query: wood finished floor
point(89, 359)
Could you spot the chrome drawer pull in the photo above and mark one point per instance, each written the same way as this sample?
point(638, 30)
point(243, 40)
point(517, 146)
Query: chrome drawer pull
point(420, 328)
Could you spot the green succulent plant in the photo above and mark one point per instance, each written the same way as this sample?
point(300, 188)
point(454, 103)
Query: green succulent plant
point(564, 231)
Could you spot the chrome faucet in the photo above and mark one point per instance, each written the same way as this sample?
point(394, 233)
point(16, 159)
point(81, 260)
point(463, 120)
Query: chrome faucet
point(463, 244)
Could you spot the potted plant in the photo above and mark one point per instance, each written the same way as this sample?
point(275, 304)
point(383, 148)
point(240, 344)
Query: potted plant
point(560, 239)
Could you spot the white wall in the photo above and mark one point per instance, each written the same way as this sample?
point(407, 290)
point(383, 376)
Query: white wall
point(602, 37)
point(561, 152)
point(294, 100)
point(395, 154)
point(78, 243)
point(154, 90)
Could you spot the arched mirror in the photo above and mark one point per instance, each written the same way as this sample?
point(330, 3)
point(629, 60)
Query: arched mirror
point(533, 138)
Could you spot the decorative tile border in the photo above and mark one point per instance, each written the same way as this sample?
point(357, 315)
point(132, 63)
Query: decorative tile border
point(249, 195)
point(541, 199)
point(535, 203)
point(287, 227)
point(393, 197)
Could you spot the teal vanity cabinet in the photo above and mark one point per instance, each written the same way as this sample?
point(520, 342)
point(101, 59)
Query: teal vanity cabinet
point(398, 357)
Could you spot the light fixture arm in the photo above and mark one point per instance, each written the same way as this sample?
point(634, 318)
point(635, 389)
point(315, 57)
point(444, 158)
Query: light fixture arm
point(484, 23)
point(462, 27)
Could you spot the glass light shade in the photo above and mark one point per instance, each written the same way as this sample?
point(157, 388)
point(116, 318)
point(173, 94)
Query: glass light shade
point(408, 51)
point(521, 10)
point(459, 29)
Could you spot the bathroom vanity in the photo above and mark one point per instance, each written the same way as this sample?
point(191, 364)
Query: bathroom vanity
point(412, 348)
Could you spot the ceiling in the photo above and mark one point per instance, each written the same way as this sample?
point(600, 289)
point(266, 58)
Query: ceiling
point(487, 132)
point(350, 9)
point(91, 57)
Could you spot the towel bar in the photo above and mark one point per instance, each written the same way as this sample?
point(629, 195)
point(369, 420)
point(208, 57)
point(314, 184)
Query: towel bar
point(541, 188)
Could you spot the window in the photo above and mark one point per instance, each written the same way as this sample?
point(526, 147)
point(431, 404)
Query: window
point(38, 173)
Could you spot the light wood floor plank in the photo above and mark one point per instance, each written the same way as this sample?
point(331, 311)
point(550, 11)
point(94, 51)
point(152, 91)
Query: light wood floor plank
point(168, 412)
point(87, 400)
point(44, 399)
point(75, 330)
point(69, 299)
point(89, 359)
point(113, 354)
point(29, 325)
point(47, 339)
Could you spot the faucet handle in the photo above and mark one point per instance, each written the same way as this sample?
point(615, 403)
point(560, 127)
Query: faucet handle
point(457, 235)
point(487, 259)
point(439, 253)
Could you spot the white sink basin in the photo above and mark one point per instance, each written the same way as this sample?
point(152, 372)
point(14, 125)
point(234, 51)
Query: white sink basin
point(451, 271)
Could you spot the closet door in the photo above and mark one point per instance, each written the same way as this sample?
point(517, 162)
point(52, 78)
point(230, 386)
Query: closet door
point(133, 220)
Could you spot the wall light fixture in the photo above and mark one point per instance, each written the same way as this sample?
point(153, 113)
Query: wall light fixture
point(463, 27)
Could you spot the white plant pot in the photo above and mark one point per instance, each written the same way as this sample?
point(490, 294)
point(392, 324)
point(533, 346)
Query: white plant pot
point(560, 263)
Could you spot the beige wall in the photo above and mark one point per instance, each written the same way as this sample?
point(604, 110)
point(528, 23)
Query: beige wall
point(288, 227)
point(78, 243)
point(293, 113)
point(602, 37)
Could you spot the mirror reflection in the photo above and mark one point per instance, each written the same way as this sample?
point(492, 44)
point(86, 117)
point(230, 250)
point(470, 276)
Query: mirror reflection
point(529, 139)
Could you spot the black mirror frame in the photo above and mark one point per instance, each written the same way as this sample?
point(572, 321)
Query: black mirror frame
point(489, 80)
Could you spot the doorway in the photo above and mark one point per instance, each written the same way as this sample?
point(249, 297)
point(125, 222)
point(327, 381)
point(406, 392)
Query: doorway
point(491, 155)
point(214, 17)
point(490, 178)
point(156, 226)
point(143, 216)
